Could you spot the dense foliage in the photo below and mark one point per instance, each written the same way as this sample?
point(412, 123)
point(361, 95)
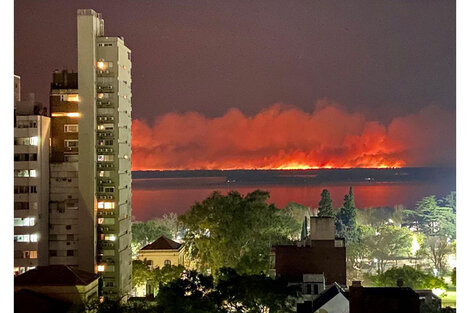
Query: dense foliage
point(325, 207)
point(231, 292)
point(144, 233)
point(235, 231)
point(410, 276)
point(142, 274)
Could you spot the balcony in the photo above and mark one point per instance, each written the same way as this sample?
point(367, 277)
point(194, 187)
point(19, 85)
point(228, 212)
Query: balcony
point(104, 103)
point(104, 73)
point(101, 88)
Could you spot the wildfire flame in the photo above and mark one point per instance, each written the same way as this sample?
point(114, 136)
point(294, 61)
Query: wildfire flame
point(290, 139)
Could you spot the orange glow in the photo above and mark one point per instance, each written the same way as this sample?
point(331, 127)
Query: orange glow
point(73, 98)
point(101, 65)
point(288, 139)
point(65, 114)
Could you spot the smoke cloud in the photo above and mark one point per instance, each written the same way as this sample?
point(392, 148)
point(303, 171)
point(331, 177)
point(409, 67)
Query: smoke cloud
point(285, 137)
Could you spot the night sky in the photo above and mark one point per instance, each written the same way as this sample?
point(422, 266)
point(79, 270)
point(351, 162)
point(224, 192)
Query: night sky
point(390, 63)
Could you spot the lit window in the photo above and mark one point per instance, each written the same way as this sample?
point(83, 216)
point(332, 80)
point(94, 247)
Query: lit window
point(21, 173)
point(34, 141)
point(100, 268)
point(65, 114)
point(21, 238)
point(71, 143)
point(27, 221)
point(101, 65)
point(110, 237)
point(105, 158)
point(106, 127)
point(105, 205)
point(73, 98)
point(33, 173)
point(26, 141)
point(100, 220)
point(34, 238)
point(71, 128)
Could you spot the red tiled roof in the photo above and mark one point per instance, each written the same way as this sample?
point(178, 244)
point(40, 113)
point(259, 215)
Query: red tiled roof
point(162, 243)
point(55, 275)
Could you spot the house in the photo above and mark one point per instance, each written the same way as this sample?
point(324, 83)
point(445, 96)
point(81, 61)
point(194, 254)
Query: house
point(315, 263)
point(334, 299)
point(388, 299)
point(54, 286)
point(321, 254)
point(161, 252)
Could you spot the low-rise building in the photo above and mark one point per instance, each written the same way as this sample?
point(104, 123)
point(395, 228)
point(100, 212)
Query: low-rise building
point(315, 263)
point(161, 252)
point(64, 284)
point(383, 299)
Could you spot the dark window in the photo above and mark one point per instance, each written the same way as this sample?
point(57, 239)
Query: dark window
point(315, 289)
point(309, 289)
point(70, 253)
point(52, 252)
point(167, 262)
point(68, 227)
point(70, 237)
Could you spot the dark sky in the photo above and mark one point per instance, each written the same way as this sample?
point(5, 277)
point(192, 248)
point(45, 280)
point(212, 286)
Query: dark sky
point(380, 58)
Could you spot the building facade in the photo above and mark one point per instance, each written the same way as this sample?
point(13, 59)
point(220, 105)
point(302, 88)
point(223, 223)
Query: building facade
point(31, 186)
point(104, 144)
point(63, 206)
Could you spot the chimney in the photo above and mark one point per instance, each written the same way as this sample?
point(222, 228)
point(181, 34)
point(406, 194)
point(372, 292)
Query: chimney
point(322, 228)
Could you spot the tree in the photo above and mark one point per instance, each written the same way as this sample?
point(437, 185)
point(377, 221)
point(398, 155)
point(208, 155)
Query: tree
point(141, 273)
point(232, 292)
point(193, 293)
point(298, 213)
point(436, 249)
point(325, 208)
point(235, 231)
point(144, 233)
point(380, 216)
point(166, 274)
point(454, 277)
point(345, 219)
point(450, 201)
point(410, 276)
point(432, 219)
point(254, 293)
point(388, 243)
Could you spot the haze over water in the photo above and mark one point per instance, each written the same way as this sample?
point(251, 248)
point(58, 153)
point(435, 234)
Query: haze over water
point(157, 193)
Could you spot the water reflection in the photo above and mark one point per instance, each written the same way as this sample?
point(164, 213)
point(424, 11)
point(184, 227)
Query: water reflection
point(155, 197)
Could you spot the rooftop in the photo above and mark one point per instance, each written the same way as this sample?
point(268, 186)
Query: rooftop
point(163, 243)
point(55, 275)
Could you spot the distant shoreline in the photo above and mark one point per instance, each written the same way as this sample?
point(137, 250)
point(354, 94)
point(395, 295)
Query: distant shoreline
point(314, 176)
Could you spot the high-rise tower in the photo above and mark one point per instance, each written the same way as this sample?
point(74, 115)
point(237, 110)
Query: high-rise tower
point(104, 144)
point(31, 183)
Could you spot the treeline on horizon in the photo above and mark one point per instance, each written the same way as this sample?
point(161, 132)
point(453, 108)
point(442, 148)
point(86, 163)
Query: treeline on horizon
point(312, 175)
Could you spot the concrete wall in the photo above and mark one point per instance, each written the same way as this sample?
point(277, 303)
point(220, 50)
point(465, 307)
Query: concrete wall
point(322, 228)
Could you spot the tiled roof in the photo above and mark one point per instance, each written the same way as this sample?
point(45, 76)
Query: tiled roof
point(55, 275)
point(162, 243)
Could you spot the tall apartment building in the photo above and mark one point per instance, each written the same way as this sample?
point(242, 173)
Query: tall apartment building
point(104, 138)
point(31, 184)
point(63, 206)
